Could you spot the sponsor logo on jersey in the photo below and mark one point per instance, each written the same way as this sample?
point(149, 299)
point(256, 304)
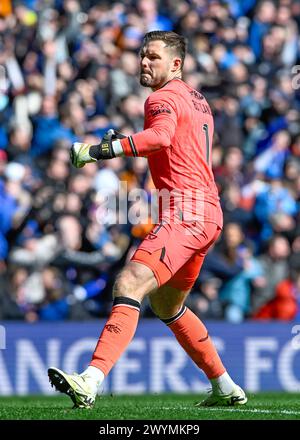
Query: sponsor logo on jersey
point(160, 108)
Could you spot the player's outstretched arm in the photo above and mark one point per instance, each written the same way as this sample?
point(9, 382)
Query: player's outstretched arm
point(82, 153)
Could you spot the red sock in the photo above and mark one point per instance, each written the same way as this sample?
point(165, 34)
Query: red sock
point(117, 333)
point(193, 336)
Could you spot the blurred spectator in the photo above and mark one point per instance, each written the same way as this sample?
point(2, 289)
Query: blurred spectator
point(275, 269)
point(54, 306)
point(275, 208)
point(271, 162)
point(233, 210)
point(205, 301)
point(286, 303)
point(264, 17)
point(236, 292)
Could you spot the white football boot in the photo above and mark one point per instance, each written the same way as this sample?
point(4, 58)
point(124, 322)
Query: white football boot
point(80, 388)
point(235, 398)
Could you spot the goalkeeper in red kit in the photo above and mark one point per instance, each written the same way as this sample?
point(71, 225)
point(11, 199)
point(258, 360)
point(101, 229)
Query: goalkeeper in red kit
point(177, 140)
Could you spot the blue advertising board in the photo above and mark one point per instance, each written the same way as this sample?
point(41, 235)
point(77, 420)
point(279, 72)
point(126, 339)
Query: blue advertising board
point(259, 357)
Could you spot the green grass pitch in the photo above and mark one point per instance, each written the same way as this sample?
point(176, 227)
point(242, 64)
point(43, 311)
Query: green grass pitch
point(263, 406)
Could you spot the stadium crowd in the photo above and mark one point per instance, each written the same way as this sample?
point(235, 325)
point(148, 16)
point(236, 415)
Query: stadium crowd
point(69, 70)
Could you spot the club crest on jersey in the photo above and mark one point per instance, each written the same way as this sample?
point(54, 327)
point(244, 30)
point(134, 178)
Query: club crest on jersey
point(160, 108)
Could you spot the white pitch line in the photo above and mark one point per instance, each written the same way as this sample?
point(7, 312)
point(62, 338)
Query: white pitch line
point(238, 410)
point(255, 410)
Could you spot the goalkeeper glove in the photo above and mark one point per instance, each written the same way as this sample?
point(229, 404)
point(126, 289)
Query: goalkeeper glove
point(81, 153)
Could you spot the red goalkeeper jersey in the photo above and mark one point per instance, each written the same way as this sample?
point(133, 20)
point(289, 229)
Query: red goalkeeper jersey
point(177, 140)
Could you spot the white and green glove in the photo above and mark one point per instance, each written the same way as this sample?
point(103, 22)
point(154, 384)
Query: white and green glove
point(82, 153)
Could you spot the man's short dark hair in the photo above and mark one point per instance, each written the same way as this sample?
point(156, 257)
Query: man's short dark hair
point(171, 39)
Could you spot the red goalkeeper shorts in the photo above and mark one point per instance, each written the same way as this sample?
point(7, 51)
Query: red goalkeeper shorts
point(175, 252)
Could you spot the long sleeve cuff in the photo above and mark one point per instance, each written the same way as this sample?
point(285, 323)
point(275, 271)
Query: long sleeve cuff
point(129, 147)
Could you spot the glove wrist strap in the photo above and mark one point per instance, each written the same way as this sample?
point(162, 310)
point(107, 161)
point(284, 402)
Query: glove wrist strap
point(95, 151)
point(117, 148)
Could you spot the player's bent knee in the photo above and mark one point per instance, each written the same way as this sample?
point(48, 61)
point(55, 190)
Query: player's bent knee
point(164, 311)
point(135, 281)
point(167, 301)
point(125, 284)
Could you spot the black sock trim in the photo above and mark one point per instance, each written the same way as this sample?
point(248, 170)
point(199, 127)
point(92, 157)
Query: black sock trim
point(174, 318)
point(126, 302)
point(132, 146)
point(94, 151)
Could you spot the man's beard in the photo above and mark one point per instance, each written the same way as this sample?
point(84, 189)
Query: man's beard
point(145, 80)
